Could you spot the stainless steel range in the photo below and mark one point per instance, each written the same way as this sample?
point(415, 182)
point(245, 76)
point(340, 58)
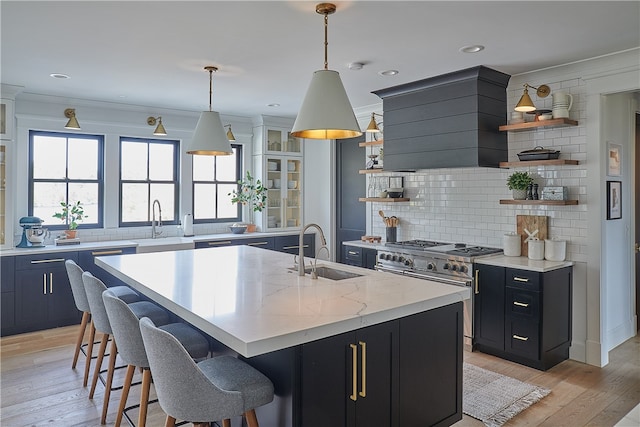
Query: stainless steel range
point(450, 263)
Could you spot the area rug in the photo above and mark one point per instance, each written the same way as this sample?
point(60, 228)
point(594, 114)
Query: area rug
point(494, 398)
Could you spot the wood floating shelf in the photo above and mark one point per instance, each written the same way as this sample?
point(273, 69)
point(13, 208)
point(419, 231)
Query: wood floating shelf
point(370, 143)
point(383, 199)
point(551, 162)
point(539, 124)
point(539, 202)
point(375, 170)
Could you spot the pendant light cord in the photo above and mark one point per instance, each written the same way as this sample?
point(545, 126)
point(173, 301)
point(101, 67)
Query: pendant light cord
point(210, 87)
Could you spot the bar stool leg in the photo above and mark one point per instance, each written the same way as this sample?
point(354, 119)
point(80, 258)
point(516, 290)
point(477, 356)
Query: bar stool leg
point(96, 370)
point(144, 397)
point(252, 420)
point(113, 352)
point(226, 423)
point(131, 369)
point(83, 328)
point(170, 422)
point(87, 365)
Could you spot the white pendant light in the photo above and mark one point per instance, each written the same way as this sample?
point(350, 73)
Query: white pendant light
point(326, 112)
point(210, 138)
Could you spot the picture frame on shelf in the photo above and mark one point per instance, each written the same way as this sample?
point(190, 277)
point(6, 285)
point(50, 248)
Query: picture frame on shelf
point(614, 200)
point(614, 159)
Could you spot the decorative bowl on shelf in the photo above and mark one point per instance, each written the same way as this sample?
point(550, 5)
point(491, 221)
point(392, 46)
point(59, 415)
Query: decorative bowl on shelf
point(292, 184)
point(238, 228)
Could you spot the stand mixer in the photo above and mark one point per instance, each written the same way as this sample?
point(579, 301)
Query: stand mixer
point(33, 234)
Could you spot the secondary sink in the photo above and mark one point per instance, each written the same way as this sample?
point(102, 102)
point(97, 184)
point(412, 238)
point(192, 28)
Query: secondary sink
point(330, 273)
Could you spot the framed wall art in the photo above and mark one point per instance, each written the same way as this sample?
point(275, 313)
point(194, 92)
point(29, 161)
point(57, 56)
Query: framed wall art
point(614, 199)
point(614, 159)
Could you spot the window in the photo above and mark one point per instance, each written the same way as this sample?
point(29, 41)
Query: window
point(65, 168)
point(214, 177)
point(148, 172)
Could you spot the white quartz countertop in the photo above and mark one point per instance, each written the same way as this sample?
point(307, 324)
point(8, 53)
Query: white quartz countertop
point(248, 299)
point(144, 245)
point(523, 263)
point(361, 244)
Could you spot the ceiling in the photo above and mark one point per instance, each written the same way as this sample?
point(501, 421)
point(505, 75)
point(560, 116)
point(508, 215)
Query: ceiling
point(153, 53)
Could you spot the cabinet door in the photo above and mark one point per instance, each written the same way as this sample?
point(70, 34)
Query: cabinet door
point(375, 378)
point(279, 140)
point(283, 179)
point(353, 256)
point(370, 257)
point(32, 299)
point(488, 306)
point(62, 307)
point(291, 244)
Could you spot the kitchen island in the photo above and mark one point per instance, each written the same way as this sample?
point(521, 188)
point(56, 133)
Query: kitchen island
point(370, 347)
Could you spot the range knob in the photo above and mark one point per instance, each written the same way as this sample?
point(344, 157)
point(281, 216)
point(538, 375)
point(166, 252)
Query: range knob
point(431, 266)
point(447, 266)
point(400, 259)
point(454, 267)
point(464, 269)
point(381, 256)
point(407, 262)
point(394, 258)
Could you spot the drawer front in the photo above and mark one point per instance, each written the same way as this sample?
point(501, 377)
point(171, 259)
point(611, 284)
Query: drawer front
point(44, 261)
point(521, 338)
point(353, 255)
point(522, 303)
point(214, 244)
point(258, 242)
point(523, 279)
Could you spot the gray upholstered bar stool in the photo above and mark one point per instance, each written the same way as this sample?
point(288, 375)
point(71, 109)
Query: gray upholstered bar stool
point(94, 288)
point(126, 330)
point(214, 389)
point(82, 304)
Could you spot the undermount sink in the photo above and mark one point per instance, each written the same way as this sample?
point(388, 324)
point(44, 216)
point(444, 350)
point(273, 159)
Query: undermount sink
point(162, 244)
point(330, 273)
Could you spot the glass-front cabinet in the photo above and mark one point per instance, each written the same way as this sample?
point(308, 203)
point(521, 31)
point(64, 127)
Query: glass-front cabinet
point(4, 236)
point(278, 163)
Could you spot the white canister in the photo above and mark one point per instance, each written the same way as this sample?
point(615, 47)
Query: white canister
point(555, 250)
point(536, 249)
point(511, 243)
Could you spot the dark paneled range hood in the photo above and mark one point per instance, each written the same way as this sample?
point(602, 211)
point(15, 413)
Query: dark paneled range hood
point(446, 121)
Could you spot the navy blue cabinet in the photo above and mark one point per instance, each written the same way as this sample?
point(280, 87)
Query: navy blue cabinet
point(7, 295)
point(359, 257)
point(258, 242)
point(87, 263)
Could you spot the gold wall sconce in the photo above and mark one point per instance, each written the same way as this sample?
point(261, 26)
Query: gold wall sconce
point(526, 104)
point(373, 126)
point(70, 113)
point(160, 130)
point(230, 135)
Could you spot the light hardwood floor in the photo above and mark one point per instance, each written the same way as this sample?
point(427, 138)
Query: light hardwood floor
point(38, 387)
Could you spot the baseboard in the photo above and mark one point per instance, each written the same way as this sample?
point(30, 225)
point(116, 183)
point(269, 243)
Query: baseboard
point(578, 351)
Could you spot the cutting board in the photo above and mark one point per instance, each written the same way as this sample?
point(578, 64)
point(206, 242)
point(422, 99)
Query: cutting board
point(531, 223)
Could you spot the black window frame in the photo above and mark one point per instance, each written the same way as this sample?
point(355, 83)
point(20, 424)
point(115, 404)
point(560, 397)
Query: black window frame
point(175, 181)
point(239, 175)
point(99, 180)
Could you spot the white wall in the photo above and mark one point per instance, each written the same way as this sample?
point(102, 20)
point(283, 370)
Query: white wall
point(319, 182)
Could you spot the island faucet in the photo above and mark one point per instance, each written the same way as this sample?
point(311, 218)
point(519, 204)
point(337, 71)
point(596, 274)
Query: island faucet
point(314, 270)
point(156, 231)
point(301, 246)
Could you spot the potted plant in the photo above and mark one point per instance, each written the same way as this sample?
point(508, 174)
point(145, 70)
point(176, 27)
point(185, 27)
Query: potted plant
point(250, 193)
point(518, 183)
point(71, 214)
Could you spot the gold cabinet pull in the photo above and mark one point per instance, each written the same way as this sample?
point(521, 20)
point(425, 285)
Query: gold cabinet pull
point(477, 291)
point(113, 252)
point(518, 337)
point(50, 283)
point(222, 242)
point(520, 304)
point(520, 279)
point(44, 283)
point(354, 377)
point(257, 244)
point(44, 261)
point(363, 385)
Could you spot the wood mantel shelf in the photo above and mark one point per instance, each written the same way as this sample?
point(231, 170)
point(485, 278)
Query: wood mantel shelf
point(539, 202)
point(552, 162)
point(384, 199)
point(540, 124)
point(371, 143)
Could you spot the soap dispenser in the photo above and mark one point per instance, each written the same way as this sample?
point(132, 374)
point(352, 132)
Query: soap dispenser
point(187, 225)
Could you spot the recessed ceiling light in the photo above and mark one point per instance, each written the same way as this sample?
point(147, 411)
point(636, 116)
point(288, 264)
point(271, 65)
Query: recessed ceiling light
point(356, 66)
point(388, 72)
point(275, 104)
point(59, 76)
point(474, 48)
